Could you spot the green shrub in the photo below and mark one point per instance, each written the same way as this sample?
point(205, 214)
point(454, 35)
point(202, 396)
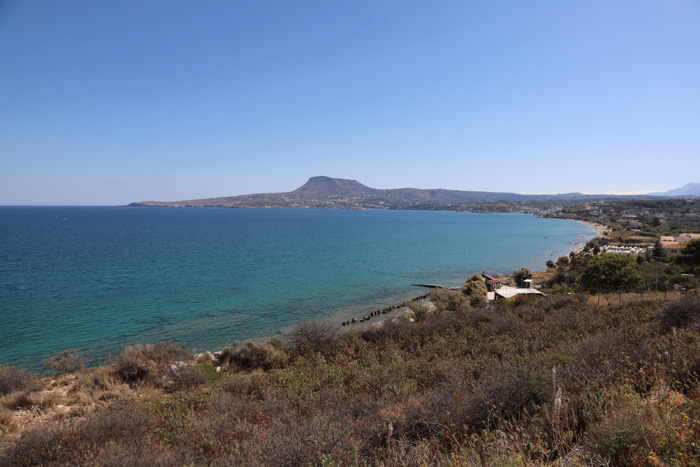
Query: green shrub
point(680, 314)
point(618, 442)
point(314, 336)
point(265, 357)
point(186, 377)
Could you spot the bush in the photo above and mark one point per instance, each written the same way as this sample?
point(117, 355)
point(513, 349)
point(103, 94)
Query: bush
point(186, 377)
point(520, 275)
point(313, 336)
point(125, 421)
point(148, 364)
point(501, 393)
point(504, 322)
point(6, 421)
point(450, 300)
point(506, 392)
point(252, 357)
point(13, 379)
point(475, 289)
point(68, 361)
point(40, 445)
point(680, 314)
point(618, 442)
point(96, 379)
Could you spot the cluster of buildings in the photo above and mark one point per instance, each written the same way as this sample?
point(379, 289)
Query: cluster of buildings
point(672, 245)
point(624, 249)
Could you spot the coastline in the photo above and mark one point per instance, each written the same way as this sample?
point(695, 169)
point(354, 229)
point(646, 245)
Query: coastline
point(190, 317)
point(355, 319)
point(600, 230)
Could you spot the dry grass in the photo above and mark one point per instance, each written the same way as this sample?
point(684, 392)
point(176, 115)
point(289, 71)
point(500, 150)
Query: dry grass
point(7, 423)
point(552, 382)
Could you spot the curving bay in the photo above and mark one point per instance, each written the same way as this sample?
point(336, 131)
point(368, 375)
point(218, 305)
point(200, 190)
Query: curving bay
point(100, 278)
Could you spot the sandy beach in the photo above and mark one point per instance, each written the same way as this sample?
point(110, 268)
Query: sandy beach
point(599, 228)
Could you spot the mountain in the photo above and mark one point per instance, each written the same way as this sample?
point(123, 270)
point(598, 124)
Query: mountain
point(327, 186)
point(328, 192)
point(691, 189)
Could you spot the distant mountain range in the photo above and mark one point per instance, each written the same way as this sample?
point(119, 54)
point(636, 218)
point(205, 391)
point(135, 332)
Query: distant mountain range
point(327, 192)
point(691, 189)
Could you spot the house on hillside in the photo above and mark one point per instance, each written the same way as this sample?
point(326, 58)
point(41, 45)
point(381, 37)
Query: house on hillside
point(665, 239)
point(672, 249)
point(503, 292)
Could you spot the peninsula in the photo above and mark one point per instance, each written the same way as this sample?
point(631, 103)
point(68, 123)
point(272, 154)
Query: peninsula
point(327, 192)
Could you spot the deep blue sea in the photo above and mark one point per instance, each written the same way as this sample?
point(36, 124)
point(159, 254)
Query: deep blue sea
point(100, 278)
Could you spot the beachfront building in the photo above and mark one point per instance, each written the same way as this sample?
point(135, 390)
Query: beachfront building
point(505, 291)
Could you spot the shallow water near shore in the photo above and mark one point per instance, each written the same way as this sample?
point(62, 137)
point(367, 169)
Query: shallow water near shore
point(100, 278)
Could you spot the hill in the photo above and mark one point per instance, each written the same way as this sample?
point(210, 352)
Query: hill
point(562, 381)
point(328, 192)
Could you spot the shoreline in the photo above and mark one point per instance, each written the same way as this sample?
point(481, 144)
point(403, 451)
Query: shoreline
point(599, 228)
point(214, 328)
point(349, 320)
point(600, 231)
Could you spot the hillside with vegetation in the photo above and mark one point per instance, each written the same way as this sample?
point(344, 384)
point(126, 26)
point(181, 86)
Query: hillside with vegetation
point(563, 380)
point(328, 192)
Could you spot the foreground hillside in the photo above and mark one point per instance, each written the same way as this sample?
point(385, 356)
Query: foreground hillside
point(559, 381)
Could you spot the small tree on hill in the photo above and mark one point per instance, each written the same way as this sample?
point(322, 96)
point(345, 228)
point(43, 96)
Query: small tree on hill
point(690, 254)
point(68, 361)
point(659, 252)
point(520, 275)
point(562, 262)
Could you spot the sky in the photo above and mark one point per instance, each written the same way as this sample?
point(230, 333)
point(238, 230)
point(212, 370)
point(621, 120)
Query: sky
point(114, 101)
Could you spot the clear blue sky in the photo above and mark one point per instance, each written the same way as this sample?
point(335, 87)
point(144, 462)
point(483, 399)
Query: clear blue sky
point(114, 101)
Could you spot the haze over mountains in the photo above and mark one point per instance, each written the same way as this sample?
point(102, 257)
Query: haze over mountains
point(321, 191)
point(691, 189)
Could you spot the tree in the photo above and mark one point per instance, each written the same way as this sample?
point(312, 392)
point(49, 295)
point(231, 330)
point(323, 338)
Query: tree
point(562, 262)
point(550, 264)
point(68, 361)
point(520, 275)
point(610, 270)
point(690, 254)
point(659, 251)
point(475, 289)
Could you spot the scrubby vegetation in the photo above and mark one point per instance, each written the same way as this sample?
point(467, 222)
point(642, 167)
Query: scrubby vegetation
point(557, 381)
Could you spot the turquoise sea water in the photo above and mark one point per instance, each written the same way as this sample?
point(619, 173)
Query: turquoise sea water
point(100, 278)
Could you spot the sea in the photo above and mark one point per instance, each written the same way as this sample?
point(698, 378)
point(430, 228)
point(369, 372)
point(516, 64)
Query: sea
point(98, 279)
